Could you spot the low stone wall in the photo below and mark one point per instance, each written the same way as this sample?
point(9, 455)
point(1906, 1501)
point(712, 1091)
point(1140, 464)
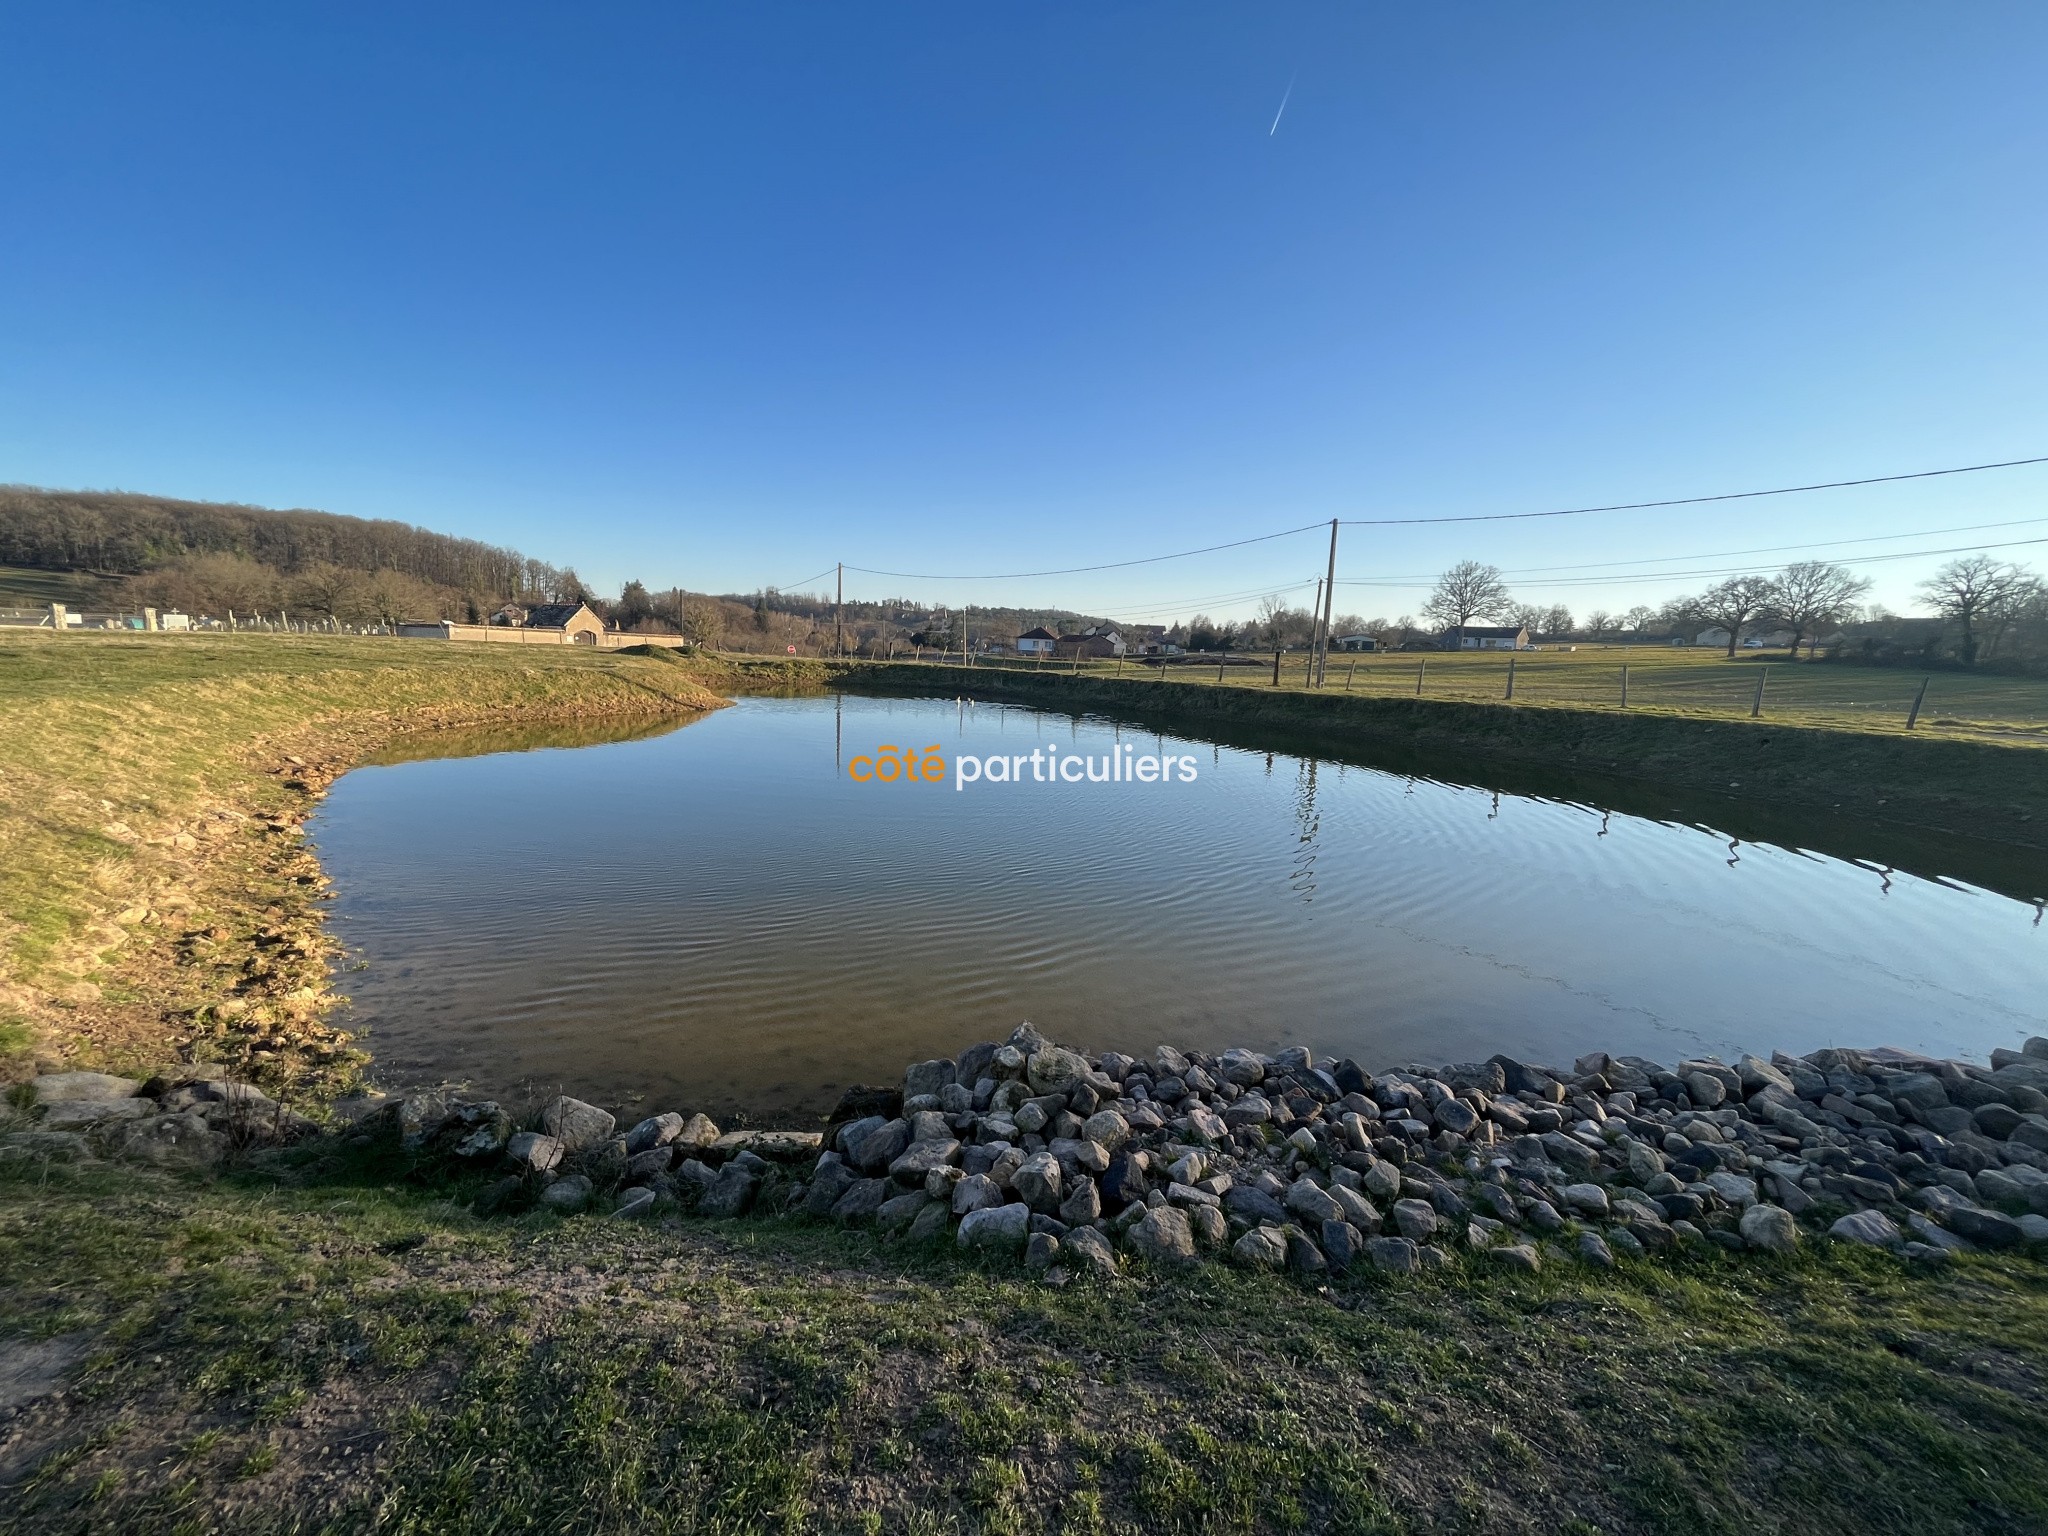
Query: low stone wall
point(1074, 1162)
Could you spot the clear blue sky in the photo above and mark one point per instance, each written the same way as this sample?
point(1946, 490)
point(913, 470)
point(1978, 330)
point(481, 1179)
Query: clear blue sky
point(717, 295)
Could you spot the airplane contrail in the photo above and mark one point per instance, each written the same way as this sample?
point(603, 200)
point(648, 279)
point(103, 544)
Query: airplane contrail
point(1283, 103)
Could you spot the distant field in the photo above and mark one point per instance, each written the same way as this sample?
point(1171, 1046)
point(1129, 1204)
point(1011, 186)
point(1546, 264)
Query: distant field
point(2011, 710)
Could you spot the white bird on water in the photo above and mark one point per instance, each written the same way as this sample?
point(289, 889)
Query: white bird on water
point(1283, 103)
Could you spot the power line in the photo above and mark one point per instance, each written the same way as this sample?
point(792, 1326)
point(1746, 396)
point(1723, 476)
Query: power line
point(1077, 570)
point(1723, 554)
point(1689, 501)
point(796, 586)
point(1634, 577)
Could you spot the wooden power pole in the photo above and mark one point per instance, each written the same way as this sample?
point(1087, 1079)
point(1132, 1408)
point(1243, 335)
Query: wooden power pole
point(1322, 655)
point(838, 611)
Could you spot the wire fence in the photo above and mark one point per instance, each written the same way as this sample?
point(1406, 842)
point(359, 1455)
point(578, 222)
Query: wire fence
point(1643, 679)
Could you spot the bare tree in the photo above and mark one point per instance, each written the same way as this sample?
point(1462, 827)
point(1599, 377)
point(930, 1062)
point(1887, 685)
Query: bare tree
point(1813, 594)
point(2024, 601)
point(1733, 604)
point(1639, 618)
point(1467, 591)
point(1966, 592)
point(1599, 621)
point(1557, 620)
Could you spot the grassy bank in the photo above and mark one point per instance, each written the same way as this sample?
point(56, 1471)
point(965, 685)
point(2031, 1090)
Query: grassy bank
point(337, 1349)
point(155, 899)
point(1963, 787)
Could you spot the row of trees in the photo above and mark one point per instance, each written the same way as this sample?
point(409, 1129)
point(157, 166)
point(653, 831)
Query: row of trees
point(1983, 601)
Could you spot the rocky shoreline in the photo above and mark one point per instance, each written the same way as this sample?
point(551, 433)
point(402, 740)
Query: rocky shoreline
point(1073, 1163)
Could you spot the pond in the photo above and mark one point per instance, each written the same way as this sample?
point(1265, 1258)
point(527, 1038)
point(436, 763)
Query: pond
point(719, 916)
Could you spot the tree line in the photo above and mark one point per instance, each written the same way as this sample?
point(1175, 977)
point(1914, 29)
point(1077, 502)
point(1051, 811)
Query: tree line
point(213, 557)
point(1985, 609)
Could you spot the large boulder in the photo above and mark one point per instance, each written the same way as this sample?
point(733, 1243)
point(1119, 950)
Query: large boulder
point(1037, 1181)
point(575, 1124)
point(999, 1227)
point(60, 1087)
point(1163, 1236)
point(928, 1077)
point(1055, 1069)
point(1871, 1228)
point(654, 1131)
point(732, 1194)
point(1770, 1228)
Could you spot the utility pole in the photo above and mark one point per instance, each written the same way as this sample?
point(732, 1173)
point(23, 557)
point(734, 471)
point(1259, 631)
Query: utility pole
point(838, 610)
point(1329, 601)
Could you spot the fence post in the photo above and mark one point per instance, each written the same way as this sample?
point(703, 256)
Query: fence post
point(1420, 667)
point(1756, 705)
point(1511, 677)
point(1624, 687)
point(1351, 673)
point(1913, 714)
point(1276, 666)
point(1119, 663)
point(1219, 667)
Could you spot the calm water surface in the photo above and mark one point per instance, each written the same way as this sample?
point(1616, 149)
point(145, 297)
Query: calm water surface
point(718, 917)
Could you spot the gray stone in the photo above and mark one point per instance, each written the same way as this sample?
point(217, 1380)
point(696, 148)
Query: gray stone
point(1543, 1216)
point(1382, 1180)
point(999, 1227)
point(173, 1141)
point(2034, 1228)
point(1303, 1256)
point(1343, 1243)
point(63, 1087)
point(575, 1124)
point(1163, 1236)
point(978, 1192)
point(1568, 1153)
point(1395, 1255)
point(1593, 1250)
point(1055, 1069)
point(1088, 1249)
point(928, 1077)
point(1758, 1074)
point(1083, 1203)
point(1998, 1121)
point(831, 1180)
point(1868, 1227)
point(697, 1133)
point(1987, 1229)
point(731, 1194)
point(567, 1194)
point(860, 1199)
point(1705, 1090)
point(930, 1223)
point(84, 1114)
point(1208, 1225)
point(1358, 1210)
point(1586, 1199)
point(880, 1147)
point(894, 1215)
point(654, 1131)
point(1415, 1218)
point(644, 1165)
point(1738, 1189)
point(1456, 1116)
point(1037, 1180)
point(1770, 1228)
point(48, 1146)
point(1521, 1257)
point(1312, 1203)
point(1243, 1068)
point(1107, 1129)
point(1261, 1248)
point(1253, 1205)
point(1041, 1252)
point(921, 1157)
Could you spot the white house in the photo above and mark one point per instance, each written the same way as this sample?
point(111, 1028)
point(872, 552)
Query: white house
point(1486, 637)
point(1036, 642)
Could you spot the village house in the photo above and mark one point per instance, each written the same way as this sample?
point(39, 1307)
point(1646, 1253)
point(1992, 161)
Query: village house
point(1036, 642)
point(1485, 637)
point(1095, 641)
point(574, 619)
point(1355, 643)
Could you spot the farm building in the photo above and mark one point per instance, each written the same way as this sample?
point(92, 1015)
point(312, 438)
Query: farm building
point(1485, 637)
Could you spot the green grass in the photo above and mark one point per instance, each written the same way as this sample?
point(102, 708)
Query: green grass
point(113, 748)
point(322, 1349)
point(1667, 680)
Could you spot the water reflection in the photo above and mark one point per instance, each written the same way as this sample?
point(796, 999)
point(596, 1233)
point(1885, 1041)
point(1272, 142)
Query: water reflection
point(714, 914)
